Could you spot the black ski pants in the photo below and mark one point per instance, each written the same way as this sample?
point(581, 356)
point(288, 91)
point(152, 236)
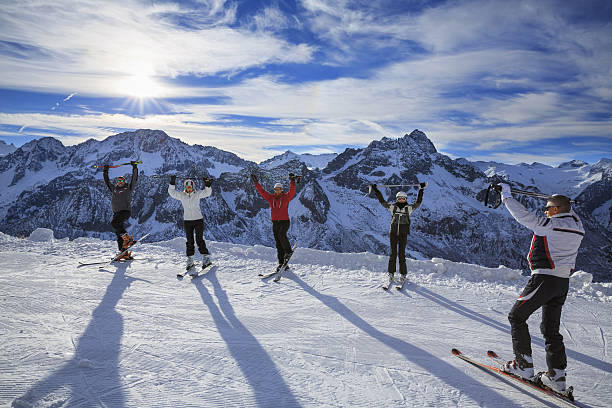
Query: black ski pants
point(118, 224)
point(195, 227)
point(549, 293)
point(398, 250)
point(280, 229)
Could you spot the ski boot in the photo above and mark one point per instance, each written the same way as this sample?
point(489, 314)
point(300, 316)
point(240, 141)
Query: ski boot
point(206, 261)
point(128, 240)
point(521, 366)
point(125, 257)
point(554, 379)
point(189, 266)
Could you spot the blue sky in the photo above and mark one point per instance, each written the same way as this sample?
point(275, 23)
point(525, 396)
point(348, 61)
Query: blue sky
point(509, 81)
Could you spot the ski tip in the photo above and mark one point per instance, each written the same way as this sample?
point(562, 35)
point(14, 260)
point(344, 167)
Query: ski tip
point(455, 352)
point(492, 354)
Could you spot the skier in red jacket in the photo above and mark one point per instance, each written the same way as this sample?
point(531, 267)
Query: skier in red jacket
point(279, 209)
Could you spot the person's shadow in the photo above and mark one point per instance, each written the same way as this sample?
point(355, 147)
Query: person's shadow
point(427, 361)
point(504, 328)
point(268, 386)
point(91, 377)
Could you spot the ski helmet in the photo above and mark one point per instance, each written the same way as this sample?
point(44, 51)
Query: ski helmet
point(120, 180)
point(189, 184)
point(401, 194)
point(278, 185)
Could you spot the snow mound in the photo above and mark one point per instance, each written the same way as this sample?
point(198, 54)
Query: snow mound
point(582, 285)
point(41, 235)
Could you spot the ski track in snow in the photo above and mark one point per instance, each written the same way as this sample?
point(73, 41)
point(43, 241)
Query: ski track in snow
point(326, 335)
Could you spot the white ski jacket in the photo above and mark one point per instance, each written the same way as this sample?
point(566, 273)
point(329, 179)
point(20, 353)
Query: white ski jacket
point(555, 240)
point(191, 202)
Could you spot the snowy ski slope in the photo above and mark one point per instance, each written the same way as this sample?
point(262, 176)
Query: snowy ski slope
point(326, 335)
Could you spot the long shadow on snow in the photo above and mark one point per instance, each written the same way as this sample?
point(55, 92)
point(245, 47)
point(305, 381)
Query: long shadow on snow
point(439, 368)
point(91, 377)
point(505, 328)
point(269, 387)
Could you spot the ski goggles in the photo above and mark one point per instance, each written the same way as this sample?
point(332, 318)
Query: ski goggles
point(120, 180)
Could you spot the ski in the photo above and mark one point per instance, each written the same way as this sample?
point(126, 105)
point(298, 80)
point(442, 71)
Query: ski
point(279, 269)
point(182, 275)
point(567, 399)
point(118, 256)
point(115, 258)
point(285, 264)
point(567, 395)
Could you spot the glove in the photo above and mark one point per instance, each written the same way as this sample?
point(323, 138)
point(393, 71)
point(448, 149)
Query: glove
point(423, 185)
point(133, 163)
point(505, 191)
point(106, 168)
point(208, 181)
point(173, 180)
point(373, 187)
point(254, 178)
point(291, 176)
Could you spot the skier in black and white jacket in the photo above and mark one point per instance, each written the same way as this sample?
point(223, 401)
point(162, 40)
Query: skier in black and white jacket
point(400, 227)
point(192, 215)
point(551, 258)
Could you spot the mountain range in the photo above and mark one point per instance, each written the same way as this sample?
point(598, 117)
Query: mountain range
point(47, 184)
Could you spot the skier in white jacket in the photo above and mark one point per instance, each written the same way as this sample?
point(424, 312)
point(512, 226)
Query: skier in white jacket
point(552, 258)
point(194, 222)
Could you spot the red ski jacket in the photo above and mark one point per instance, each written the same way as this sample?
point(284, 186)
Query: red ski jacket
point(279, 205)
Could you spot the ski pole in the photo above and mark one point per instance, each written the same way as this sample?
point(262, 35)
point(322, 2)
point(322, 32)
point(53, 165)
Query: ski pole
point(98, 166)
point(498, 188)
point(391, 185)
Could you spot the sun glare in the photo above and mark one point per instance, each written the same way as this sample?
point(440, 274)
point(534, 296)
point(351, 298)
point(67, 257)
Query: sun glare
point(140, 86)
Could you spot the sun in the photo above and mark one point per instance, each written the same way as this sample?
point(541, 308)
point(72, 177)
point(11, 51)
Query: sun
point(139, 86)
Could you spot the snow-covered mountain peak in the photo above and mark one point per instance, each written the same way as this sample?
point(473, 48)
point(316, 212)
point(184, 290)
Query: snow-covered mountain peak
point(6, 148)
point(572, 164)
point(312, 161)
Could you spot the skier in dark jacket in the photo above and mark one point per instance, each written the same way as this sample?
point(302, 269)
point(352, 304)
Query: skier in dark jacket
point(121, 204)
point(279, 212)
point(400, 227)
point(552, 258)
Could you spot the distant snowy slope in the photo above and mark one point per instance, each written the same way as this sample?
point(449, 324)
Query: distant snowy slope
point(312, 161)
point(326, 335)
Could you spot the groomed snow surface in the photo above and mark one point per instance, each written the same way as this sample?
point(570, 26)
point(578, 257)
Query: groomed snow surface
point(326, 335)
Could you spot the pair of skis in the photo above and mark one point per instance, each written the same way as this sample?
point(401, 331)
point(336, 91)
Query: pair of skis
point(566, 397)
point(116, 258)
point(191, 268)
point(399, 285)
point(279, 269)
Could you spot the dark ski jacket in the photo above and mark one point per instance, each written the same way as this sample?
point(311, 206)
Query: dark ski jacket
point(400, 220)
point(279, 205)
point(122, 196)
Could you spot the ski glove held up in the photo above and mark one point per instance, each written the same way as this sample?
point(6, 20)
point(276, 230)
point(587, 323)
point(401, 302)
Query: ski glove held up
point(173, 180)
point(208, 181)
point(291, 176)
point(254, 178)
point(505, 191)
point(423, 185)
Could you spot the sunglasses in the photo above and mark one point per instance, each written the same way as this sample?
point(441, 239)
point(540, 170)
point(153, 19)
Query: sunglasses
point(549, 207)
point(120, 180)
point(401, 198)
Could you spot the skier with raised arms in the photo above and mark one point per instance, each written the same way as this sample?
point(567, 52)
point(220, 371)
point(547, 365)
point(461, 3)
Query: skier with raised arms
point(279, 213)
point(193, 219)
point(552, 258)
point(121, 203)
point(399, 229)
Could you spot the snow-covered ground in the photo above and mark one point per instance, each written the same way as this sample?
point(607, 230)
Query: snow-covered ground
point(326, 335)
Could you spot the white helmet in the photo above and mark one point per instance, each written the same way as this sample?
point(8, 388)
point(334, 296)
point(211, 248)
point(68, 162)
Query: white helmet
point(401, 194)
point(278, 185)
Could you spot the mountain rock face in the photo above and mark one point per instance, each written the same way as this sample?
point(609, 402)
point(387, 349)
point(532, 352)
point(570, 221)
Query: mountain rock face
point(47, 184)
point(6, 148)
